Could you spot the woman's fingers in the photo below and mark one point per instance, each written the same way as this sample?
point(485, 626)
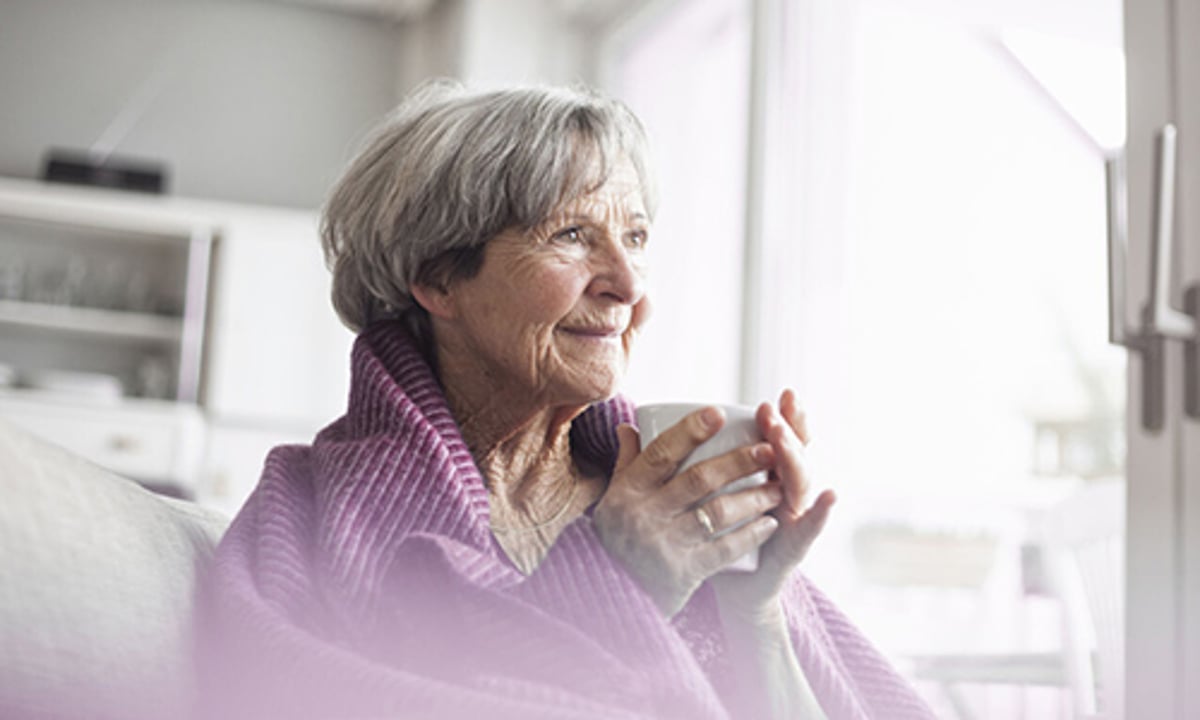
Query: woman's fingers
point(633, 523)
point(705, 478)
point(702, 523)
point(658, 461)
point(629, 444)
point(793, 542)
point(789, 458)
point(672, 530)
point(790, 409)
point(718, 554)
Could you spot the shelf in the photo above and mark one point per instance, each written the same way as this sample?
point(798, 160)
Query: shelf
point(91, 321)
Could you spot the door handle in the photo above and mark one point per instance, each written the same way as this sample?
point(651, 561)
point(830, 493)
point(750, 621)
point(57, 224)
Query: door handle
point(1165, 320)
point(1159, 321)
point(1135, 339)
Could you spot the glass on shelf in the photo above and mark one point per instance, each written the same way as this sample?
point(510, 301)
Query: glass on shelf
point(154, 377)
point(12, 276)
point(75, 280)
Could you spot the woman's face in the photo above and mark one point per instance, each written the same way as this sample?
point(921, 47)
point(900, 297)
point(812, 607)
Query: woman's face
point(553, 310)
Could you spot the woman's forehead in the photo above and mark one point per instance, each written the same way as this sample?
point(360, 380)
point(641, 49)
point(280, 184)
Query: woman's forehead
point(620, 189)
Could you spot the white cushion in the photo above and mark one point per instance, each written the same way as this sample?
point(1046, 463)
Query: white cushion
point(96, 588)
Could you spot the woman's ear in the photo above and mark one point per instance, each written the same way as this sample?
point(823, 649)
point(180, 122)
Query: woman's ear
point(437, 301)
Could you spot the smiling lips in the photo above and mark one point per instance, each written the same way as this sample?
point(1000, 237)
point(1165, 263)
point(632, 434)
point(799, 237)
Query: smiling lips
point(602, 332)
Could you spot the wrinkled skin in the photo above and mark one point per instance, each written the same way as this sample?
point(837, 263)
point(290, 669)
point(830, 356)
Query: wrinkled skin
point(544, 330)
point(548, 322)
point(646, 517)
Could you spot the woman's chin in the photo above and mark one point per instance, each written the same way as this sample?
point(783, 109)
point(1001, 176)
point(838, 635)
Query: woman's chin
point(594, 389)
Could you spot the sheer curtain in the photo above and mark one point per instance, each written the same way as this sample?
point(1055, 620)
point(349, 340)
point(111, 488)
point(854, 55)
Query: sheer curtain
point(683, 67)
point(920, 240)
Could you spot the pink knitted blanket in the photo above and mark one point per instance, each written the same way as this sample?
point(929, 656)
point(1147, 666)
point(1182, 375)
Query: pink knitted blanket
point(361, 580)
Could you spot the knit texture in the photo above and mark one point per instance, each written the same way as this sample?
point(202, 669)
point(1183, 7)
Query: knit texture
point(361, 580)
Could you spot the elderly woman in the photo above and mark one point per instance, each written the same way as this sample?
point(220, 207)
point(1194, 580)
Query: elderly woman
point(482, 534)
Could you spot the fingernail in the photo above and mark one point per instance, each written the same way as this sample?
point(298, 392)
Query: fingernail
point(710, 417)
point(761, 454)
point(774, 494)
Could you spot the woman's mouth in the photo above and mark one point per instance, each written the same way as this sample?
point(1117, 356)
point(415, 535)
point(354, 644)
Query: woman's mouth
point(607, 332)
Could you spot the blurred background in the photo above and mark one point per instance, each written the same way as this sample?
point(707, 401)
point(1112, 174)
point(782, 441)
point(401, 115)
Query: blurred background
point(896, 207)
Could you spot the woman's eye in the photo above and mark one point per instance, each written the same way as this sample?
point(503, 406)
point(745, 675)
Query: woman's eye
point(638, 238)
point(573, 234)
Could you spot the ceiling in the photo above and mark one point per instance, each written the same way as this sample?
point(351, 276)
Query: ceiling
point(587, 11)
point(393, 9)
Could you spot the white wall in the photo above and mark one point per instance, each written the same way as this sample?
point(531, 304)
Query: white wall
point(493, 43)
point(257, 102)
point(253, 100)
point(520, 41)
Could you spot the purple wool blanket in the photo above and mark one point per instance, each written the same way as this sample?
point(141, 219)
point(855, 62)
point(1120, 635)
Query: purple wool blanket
point(361, 580)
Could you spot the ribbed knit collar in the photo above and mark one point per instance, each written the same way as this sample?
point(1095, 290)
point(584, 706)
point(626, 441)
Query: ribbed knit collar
point(398, 418)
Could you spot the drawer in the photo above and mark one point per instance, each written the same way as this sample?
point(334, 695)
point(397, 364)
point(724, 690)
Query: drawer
point(153, 444)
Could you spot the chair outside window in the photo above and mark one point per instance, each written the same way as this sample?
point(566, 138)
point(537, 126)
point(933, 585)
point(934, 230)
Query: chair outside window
point(1080, 545)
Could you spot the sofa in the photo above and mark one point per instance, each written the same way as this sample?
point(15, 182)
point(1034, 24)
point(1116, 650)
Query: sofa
point(97, 577)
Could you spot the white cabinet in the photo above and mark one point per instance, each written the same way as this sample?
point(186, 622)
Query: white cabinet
point(171, 340)
point(160, 444)
point(278, 354)
point(279, 359)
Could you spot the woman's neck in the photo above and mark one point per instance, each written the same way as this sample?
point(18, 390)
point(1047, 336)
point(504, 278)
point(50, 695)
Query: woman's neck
point(522, 447)
point(525, 463)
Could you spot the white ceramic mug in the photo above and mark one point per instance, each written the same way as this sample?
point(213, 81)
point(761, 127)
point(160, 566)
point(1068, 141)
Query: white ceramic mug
point(740, 429)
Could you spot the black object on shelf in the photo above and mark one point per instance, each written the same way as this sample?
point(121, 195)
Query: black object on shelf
point(78, 167)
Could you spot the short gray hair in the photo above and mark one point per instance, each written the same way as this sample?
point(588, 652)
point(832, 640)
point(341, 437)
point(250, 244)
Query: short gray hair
point(449, 170)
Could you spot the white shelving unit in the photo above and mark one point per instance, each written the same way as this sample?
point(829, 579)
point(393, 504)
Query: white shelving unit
point(93, 283)
point(217, 330)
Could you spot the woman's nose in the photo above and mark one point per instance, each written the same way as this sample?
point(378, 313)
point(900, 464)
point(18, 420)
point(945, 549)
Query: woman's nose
point(620, 273)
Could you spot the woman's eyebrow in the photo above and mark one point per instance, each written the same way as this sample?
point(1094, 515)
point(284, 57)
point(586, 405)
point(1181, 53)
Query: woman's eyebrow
point(574, 218)
point(585, 218)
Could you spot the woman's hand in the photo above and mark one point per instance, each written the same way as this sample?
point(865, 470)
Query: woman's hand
point(646, 518)
point(753, 598)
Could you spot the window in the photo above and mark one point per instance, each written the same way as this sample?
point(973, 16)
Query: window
point(931, 280)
